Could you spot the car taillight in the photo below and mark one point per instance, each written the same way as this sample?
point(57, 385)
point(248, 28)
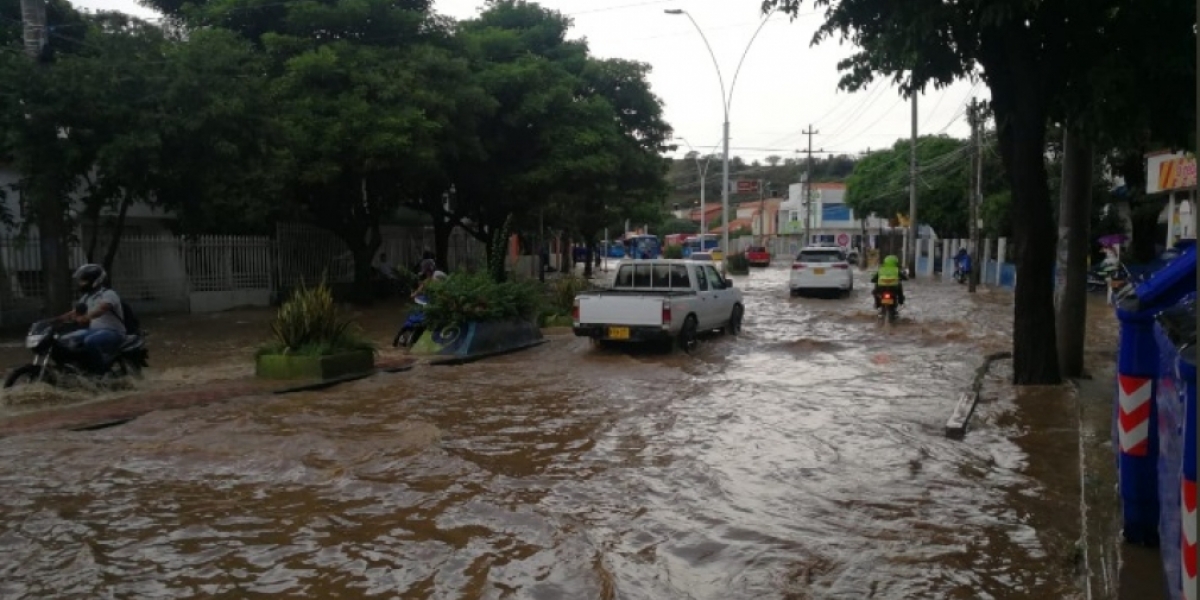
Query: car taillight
point(666, 313)
point(841, 266)
point(798, 266)
point(887, 294)
point(575, 311)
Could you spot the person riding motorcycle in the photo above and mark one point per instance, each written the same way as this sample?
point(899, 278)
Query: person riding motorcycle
point(887, 277)
point(962, 261)
point(99, 309)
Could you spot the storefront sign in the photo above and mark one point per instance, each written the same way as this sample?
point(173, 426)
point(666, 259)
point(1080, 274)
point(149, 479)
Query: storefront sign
point(1170, 173)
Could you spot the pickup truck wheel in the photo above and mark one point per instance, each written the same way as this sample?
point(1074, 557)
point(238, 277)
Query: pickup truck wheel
point(687, 335)
point(735, 320)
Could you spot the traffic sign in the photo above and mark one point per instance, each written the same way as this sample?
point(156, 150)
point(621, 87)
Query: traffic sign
point(747, 186)
point(843, 240)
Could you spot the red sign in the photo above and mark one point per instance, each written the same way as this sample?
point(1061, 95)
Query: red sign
point(747, 186)
point(843, 240)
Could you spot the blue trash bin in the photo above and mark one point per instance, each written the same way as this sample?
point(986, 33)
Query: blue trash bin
point(1187, 505)
point(1135, 409)
point(1175, 331)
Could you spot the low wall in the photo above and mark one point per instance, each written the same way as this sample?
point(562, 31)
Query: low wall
point(206, 302)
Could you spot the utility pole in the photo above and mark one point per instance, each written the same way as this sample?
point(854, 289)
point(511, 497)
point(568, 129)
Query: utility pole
point(48, 209)
point(977, 199)
point(808, 187)
point(762, 213)
point(973, 227)
point(913, 228)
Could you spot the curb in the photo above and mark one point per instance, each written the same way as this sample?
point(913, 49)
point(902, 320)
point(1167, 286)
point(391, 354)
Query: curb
point(125, 409)
point(325, 384)
point(462, 360)
point(964, 408)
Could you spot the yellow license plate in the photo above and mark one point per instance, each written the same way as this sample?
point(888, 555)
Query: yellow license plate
point(618, 333)
point(818, 271)
point(888, 301)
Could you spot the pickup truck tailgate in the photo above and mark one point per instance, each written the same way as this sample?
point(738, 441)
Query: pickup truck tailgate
point(620, 309)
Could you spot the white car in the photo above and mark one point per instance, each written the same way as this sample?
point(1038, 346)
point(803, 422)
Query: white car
point(819, 268)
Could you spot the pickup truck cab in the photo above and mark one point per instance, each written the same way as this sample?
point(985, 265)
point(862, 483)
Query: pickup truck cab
point(660, 301)
point(758, 256)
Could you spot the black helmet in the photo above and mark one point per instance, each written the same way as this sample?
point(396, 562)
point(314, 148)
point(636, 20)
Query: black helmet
point(90, 277)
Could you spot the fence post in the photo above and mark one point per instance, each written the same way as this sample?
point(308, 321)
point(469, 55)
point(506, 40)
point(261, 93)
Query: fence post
point(1001, 249)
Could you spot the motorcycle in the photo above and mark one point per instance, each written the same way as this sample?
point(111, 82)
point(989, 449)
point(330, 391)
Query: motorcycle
point(1104, 275)
point(413, 326)
point(58, 362)
point(889, 309)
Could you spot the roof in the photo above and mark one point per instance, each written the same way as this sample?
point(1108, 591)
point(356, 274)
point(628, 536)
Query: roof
point(831, 186)
point(736, 224)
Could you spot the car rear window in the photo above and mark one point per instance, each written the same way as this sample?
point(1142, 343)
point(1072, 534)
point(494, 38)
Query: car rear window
point(757, 249)
point(819, 256)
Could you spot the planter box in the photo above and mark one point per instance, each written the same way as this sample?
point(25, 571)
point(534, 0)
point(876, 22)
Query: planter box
point(288, 366)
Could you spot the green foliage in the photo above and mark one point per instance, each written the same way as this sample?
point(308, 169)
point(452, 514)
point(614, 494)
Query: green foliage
point(673, 251)
point(673, 226)
point(498, 253)
point(563, 290)
point(478, 297)
point(309, 323)
point(737, 264)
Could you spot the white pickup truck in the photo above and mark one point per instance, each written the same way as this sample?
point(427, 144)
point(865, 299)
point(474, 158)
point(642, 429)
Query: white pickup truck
point(660, 300)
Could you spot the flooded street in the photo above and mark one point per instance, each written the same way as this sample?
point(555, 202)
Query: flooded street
point(802, 459)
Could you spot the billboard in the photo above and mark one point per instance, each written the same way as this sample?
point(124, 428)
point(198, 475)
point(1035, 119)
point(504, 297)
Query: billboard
point(1170, 173)
point(747, 186)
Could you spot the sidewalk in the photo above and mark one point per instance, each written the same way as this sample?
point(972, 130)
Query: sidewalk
point(114, 411)
point(1115, 570)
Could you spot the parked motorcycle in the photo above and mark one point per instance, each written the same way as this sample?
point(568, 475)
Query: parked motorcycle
point(60, 362)
point(1103, 275)
point(413, 326)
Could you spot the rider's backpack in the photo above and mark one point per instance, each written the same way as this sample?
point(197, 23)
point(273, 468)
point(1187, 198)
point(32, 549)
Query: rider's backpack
point(132, 325)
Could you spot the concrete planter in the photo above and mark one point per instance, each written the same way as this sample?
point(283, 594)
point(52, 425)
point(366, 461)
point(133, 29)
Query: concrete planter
point(475, 340)
point(333, 366)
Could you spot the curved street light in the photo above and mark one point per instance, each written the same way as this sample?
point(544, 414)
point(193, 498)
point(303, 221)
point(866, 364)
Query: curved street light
point(726, 106)
point(703, 171)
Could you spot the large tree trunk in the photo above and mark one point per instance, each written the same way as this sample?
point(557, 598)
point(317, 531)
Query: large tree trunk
point(110, 255)
point(1074, 221)
point(54, 248)
point(1021, 116)
point(442, 228)
point(589, 238)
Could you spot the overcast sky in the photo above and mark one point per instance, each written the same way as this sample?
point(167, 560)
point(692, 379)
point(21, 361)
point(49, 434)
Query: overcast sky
point(784, 84)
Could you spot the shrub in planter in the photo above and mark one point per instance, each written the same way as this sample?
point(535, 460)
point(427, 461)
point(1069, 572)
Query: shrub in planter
point(563, 290)
point(312, 340)
point(737, 264)
point(465, 297)
point(673, 251)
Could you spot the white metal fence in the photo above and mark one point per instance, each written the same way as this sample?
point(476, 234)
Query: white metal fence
point(161, 274)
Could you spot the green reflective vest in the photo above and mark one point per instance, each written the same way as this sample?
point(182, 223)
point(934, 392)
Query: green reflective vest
point(888, 276)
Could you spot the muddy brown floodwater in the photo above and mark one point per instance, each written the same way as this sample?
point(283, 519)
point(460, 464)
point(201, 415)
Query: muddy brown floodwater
point(803, 459)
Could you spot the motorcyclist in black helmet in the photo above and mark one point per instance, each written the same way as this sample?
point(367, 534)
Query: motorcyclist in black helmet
point(99, 309)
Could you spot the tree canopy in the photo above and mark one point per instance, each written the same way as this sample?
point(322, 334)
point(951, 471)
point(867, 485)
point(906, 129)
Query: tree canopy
point(1040, 60)
point(233, 114)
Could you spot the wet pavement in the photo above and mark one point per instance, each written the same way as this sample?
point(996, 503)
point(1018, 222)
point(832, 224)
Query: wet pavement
point(802, 459)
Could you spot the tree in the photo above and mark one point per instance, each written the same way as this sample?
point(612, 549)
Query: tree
point(773, 160)
point(32, 137)
point(879, 183)
point(1028, 53)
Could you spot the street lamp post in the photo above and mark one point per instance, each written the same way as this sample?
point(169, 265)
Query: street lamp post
point(726, 104)
point(703, 178)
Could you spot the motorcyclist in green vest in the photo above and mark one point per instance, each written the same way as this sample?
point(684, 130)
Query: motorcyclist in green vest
point(889, 276)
